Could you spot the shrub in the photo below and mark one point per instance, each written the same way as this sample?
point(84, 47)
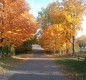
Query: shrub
point(25, 47)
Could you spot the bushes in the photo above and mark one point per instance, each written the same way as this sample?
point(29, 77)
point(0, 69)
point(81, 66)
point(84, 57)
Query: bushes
point(25, 47)
point(8, 50)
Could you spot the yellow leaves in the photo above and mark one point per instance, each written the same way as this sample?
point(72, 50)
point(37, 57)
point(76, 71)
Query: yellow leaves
point(53, 38)
point(58, 27)
point(68, 17)
point(63, 20)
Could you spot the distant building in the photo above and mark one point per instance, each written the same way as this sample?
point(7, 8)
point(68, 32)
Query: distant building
point(38, 33)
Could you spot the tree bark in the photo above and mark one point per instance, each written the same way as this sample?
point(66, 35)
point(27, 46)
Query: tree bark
point(73, 45)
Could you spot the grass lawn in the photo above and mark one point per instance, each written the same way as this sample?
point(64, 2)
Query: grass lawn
point(76, 70)
point(9, 63)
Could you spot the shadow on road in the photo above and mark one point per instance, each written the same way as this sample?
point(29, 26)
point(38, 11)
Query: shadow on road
point(36, 77)
point(37, 68)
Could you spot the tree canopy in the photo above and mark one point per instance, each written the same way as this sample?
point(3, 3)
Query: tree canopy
point(64, 19)
point(17, 24)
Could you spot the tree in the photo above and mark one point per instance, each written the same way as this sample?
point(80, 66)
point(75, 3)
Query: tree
point(74, 12)
point(51, 41)
point(68, 14)
point(18, 25)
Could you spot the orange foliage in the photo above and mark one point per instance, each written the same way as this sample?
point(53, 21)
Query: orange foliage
point(18, 25)
point(54, 38)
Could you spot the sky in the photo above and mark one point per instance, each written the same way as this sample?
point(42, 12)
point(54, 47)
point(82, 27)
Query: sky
point(83, 32)
point(36, 6)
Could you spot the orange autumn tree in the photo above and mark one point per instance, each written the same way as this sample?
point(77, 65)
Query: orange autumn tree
point(56, 24)
point(54, 39)
point(50, 39)
point(68, 14)
point(18, 25)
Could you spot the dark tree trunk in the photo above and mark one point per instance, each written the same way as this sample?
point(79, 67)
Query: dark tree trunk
point(73, 45)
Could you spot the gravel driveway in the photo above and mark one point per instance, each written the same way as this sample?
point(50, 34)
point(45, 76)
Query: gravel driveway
point(39, 67)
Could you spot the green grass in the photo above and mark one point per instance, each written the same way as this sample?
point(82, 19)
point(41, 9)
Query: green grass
point(76, 69)
point(9, 63)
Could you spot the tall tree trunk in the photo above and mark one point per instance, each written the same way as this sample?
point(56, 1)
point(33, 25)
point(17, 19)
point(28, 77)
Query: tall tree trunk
point(73, 45)
point(66, 44)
